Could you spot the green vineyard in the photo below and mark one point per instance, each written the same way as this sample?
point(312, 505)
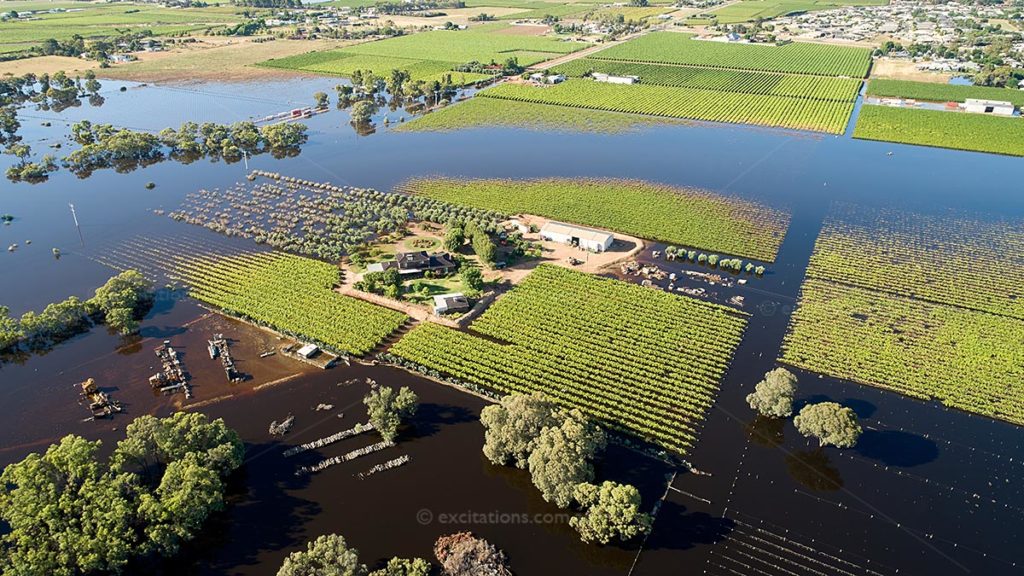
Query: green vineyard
point(290, 294)
point(772, 84)
point(973, 361)
point(482, 112)
point(694, 104)
point(963, 262)
point(682, 216)
point(794, 58)
point(639, 360)
point(957, 130)
point(942, 92)
point(429, 55)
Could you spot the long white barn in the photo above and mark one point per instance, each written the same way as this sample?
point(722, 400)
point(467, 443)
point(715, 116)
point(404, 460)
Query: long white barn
point(586, 238)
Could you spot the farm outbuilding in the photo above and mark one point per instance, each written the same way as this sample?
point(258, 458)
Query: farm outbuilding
point(609, 79)
point(586, 238)
point(455, 302)
point(996, 107)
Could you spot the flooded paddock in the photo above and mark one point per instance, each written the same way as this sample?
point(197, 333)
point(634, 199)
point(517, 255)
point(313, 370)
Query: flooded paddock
point(928, 491)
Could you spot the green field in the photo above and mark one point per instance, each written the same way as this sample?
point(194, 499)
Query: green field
point(969, 360)
point(793, 85)
point(682, 216)
point(750, 10)
point(641, 361)
point(966, 262)
point(961, 131)
point(91, 20)
point(927, 305)
point(793, 58)
point(760, 110)
point(290, 294)
point(429, 55)
point(483, 112)
point(942, 92)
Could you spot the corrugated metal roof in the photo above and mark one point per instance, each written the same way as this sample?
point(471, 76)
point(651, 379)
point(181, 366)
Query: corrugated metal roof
point(577, 232)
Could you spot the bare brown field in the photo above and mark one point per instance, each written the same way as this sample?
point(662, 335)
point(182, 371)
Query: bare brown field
point(215, 59)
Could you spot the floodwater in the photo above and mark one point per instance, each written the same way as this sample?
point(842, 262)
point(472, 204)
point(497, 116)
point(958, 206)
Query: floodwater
point(928, 491)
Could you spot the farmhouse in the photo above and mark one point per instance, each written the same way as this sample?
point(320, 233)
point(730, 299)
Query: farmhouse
point(601, 77)
point(414, 263)
point(586, 238)
point(446, 303)
point(996, 107)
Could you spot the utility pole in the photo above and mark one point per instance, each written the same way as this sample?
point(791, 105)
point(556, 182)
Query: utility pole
point(77, 225)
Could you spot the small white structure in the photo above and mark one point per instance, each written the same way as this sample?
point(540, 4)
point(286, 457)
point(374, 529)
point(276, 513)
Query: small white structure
point(586, 238)
point(996, 107)
point(308, 351)
point(445, 303)
point(608, 78)
point(1020, 85)
point(519, 226)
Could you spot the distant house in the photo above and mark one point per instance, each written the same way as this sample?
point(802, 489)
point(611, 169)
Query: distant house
point(996, 107)
point(447, 303)
point(1020, 85)
point(586, 238)
point(309, 350)
point(608, 78)
point(416, 263)
point(555, 79)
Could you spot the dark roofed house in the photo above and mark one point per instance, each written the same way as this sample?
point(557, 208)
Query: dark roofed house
point(415, 263)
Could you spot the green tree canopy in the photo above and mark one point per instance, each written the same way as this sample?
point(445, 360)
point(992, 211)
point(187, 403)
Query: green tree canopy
point(562, 457)
point(405, 567)
point(69, 513)
point(773, 396)
point(512, 427)
point(328, 555)
point(829, 422)
point(387, 408)
point(611, 511)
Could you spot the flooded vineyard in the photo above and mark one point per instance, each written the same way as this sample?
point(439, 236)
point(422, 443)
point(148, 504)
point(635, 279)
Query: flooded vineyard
point(929, 489)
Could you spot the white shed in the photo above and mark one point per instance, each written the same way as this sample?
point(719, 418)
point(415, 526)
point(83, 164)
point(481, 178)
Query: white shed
point(586, 238)
point(445, 303)
point(997, 107)
point(609, 79)
point(309, 350)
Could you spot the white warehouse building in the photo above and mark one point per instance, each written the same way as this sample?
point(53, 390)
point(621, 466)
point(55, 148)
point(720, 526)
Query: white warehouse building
point(586, 238)
point(988, 107)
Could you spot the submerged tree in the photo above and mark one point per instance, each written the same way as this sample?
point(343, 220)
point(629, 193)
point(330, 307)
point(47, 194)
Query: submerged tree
point(773, 396)
point(405, 567)
point(68, 513)
point(387, 409)
point(562, 457)
point(328, 555)
point(512, 427)
point(611, 511)
point(463, 554)
point(829, 422)
point(363, 111)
